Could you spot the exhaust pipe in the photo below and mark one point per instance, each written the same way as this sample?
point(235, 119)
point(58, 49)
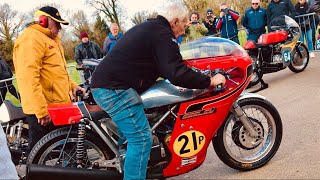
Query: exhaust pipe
point(38, 172)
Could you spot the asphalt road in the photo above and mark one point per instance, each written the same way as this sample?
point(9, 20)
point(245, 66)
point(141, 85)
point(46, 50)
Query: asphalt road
point(297, 98)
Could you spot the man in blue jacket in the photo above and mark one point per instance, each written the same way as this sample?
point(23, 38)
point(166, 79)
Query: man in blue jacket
point(255, 20)
point(277, 8)
point(227, 23)
point(112, 38)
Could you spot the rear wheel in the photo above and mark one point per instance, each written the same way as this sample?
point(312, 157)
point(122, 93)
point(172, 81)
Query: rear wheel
point(299, 63)
point(240, 151)
point(48, 150)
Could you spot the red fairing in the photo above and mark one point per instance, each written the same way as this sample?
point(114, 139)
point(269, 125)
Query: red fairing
point(204, 127)
point(249, 45)
point(273, 37)
point(64, 114)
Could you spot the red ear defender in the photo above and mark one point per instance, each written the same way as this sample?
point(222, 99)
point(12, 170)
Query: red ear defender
point(43, 21)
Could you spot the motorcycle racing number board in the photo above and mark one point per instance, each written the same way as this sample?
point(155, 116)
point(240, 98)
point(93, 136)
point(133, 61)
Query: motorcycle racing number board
point(287, 56)
point(189, 143)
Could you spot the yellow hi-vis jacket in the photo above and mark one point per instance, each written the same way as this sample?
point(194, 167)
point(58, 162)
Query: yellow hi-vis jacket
point(41, 71)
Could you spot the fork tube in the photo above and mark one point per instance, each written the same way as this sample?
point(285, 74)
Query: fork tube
point(105, 137)
point(244, 119)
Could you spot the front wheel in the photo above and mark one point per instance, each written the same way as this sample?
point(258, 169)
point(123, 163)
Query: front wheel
point(240, 151)
point(300, 59)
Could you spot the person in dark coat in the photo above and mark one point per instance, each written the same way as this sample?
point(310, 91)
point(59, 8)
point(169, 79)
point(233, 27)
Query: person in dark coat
point(87, 50)
point(6, 73)
point(210, 23)
point(255, 21)
point(277, 8)
point(146, 52)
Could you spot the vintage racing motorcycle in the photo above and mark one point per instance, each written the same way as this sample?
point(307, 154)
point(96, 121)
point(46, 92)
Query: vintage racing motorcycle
point(245, 129)
point(277, 50)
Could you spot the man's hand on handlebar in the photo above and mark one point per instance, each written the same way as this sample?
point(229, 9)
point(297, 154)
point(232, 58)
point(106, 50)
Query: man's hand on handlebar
point(217, 79)
point(78, 88)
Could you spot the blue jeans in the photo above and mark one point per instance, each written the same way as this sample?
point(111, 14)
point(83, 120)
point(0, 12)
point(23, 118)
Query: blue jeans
point(126, 110)
point(308, 35)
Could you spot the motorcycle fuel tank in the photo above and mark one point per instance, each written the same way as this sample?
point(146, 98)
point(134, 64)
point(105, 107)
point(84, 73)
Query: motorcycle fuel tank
point(164, 93)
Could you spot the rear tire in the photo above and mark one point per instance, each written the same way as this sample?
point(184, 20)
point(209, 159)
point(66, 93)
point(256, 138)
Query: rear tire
point(299, 64)
point(235, 147)
point(46, 151)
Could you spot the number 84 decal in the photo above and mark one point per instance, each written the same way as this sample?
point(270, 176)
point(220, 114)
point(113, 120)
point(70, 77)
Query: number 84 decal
point(189, 143)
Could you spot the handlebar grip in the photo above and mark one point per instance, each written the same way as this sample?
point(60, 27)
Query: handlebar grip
point(218, 88)
point(79, 95)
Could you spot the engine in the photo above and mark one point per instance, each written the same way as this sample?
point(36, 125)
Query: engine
point(277, 54)
point(162, 134)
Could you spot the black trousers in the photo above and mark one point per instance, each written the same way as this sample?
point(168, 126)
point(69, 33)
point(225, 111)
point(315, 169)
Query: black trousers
point(11, 89)
point(36, 131)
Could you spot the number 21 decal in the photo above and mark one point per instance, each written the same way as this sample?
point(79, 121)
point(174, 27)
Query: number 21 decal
point(189, 143)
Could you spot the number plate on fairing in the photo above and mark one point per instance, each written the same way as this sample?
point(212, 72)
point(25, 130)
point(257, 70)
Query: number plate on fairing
point(287, 56)
point(189, 143)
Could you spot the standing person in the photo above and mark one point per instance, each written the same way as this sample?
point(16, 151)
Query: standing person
point(277, 8)
point(112, 38)
point(6, 73)
point(255, 21)
point(227, 23)
point(210, 23)
point(134, 64)
point(7, 168)
point(305, 25)
point(41, 71)
point(314, 6)
point(195, 29)
point(86, 50)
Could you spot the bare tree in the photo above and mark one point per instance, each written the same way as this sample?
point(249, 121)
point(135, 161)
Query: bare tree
point(10, 22)
point(80, 23)
point(111, 8)
point(139, 17)
point(196, 5)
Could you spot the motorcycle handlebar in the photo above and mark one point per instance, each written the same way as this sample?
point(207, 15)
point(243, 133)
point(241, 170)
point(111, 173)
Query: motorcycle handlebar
point(219, 88)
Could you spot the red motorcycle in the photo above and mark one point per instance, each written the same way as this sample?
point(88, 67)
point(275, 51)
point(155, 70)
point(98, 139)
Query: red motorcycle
point(245, 129)
point(277, 50)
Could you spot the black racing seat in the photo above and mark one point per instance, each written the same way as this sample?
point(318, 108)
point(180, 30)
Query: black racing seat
point(15, 112)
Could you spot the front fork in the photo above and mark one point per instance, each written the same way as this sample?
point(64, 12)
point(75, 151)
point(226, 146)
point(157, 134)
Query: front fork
point(247, 123)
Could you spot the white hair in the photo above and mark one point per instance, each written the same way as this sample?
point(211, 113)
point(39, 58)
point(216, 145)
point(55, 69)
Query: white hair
point(173, 10)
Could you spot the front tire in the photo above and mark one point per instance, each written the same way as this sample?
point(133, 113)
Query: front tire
point(299, 63)
point(49, 148)
point(237, 149)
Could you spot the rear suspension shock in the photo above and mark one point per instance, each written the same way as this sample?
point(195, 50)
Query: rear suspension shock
point(80, 144)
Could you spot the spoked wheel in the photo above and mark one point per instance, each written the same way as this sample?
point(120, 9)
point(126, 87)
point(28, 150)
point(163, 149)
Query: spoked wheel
point(299, 63)
point(49, 150)
point(236, 148)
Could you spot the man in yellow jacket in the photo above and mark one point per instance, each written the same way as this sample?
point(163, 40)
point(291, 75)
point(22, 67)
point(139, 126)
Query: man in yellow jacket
point(41, 71)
